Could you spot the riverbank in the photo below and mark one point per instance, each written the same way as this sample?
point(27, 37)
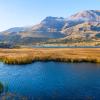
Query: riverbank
point(29, 55)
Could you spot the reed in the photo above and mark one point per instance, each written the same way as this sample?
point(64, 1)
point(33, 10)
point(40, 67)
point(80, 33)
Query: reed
point(1, 87)
point(29, 55)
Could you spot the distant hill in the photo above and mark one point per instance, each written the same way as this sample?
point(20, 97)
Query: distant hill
point(84, 25)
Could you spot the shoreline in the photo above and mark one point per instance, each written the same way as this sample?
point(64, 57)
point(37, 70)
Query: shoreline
point(30, 55)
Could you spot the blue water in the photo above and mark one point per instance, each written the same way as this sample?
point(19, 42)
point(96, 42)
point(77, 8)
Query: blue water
point(53, 80)
point(64, 46)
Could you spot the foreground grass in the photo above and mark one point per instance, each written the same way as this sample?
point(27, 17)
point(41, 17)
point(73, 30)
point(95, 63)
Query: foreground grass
point(11, 96)
point(1, 87)
point(29, 55)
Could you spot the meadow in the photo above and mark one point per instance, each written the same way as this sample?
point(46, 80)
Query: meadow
point(30, 55)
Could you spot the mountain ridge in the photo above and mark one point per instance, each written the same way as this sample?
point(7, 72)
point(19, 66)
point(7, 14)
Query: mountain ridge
point(78, 26)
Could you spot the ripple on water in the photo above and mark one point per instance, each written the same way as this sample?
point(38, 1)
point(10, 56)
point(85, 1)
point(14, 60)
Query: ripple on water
point(52, 79)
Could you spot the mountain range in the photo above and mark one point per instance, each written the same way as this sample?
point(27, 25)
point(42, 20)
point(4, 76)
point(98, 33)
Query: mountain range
point(84, 25)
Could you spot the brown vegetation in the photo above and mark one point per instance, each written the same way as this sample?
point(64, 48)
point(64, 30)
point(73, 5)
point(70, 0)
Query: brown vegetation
point(29, 55)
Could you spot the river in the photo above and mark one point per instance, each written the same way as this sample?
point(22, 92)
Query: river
point(52, 80)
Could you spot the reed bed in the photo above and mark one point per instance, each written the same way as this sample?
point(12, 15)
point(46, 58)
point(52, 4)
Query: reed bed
point(1, 87)
point(30, 55)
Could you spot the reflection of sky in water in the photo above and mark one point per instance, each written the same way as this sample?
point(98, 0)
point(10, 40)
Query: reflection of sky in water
point(52, 79)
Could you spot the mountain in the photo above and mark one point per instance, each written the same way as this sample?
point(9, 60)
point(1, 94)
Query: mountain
point(88, 15)
point(50, 24)
point(83, 16)
point(86, 30)
point(15, 29)
point(49, 28)
point(83, 25)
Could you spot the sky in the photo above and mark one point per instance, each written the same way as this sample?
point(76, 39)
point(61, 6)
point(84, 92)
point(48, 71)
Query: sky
point(17, 13)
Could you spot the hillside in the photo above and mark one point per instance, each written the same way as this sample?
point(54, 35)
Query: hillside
point(84, 25)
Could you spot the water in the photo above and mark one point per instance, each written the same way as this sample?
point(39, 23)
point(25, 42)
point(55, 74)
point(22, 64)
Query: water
point(53, 80)
point(64, 46)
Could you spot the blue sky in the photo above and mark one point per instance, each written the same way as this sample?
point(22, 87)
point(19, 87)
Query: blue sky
point(14, 13)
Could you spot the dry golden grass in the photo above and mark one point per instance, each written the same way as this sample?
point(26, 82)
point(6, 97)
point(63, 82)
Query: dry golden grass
point(29, 55)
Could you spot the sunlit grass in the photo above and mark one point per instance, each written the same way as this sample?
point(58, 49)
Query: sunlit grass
point(26, 55)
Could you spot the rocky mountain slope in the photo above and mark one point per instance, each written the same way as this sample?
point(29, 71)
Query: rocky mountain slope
point(84, 25)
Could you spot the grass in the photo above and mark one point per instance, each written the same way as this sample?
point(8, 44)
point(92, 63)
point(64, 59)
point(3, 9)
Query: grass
point(29, 55)
point(12, 96)
point(1, 87)
point(75, 44)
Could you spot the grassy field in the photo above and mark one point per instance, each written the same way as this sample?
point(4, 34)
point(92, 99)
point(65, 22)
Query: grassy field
point(29, 55)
